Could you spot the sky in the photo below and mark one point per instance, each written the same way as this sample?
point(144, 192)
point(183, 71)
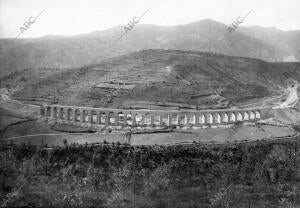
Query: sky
point(71, 17)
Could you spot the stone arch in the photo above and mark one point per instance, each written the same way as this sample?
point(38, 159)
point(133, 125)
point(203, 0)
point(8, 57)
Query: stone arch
point(164, 119)
point(147, 119)
point(93, 117)
point(182, 119)
point(246, 116)
point(68, 114)
point(239, 116)
point(191, 119)
point(217, 117)
point(252, 115)
point(174, 119)
point(55, 112)
point(102, 118)
point(156, 119)
point(120, 118)
point(202, 119)
point(232, 117)
point(129, 118)
point(225, 118)
point(209, 118)
point(134, 119)
point(257, 114)
point(143, 119)
point(111, 118)
point(77, 115)
point(62, 113)
point(48, 111)
point(139, 119)
point(85, 116)
point(42, 111)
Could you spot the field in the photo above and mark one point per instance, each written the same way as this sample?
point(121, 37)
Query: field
point(43, 133)
point(258, 174)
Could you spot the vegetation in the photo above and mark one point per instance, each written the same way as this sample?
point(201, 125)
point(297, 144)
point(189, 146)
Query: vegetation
point(259, 174)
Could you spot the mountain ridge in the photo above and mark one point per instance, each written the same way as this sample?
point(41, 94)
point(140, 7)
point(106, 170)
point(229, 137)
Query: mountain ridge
point(78, 50)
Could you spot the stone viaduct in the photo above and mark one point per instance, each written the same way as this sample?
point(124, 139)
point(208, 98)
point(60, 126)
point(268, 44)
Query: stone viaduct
point(152, 118)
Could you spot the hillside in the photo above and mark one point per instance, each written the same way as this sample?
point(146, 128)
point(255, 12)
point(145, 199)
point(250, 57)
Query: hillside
point(158, 79)
point(76, 51)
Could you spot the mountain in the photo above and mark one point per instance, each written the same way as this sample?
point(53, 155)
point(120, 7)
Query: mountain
point(157, 79)
point(74, 51)
point(289, 41)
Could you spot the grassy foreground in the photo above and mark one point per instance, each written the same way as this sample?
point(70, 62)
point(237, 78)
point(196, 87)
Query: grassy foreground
point(258, 174)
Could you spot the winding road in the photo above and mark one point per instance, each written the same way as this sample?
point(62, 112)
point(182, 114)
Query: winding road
point(291, 99)
point(288, 99)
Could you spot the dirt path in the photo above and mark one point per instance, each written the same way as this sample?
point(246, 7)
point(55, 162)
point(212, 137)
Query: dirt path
point(212, 135)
